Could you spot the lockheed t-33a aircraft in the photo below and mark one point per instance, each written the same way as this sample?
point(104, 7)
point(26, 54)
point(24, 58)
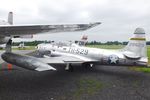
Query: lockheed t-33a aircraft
point(135, 53)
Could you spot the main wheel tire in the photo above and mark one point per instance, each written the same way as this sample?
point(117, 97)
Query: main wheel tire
point(87, 65)
point(71, 69)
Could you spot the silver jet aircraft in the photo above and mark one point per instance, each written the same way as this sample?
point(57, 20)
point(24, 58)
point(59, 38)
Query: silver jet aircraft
point(135, 53)
point(9, 31)
point(49, 46)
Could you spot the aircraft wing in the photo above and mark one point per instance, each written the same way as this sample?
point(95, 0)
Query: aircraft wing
point(66, 59)
point(12, 30)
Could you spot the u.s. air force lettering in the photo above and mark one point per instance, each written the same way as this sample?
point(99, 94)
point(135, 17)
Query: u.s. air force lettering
point(136, 45)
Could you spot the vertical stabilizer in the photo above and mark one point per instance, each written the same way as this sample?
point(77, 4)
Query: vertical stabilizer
point(10, 18)
point(84, 39)
point(137, 43)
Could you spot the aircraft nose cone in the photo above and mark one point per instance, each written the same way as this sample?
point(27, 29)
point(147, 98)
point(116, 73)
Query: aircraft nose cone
point(139, 31)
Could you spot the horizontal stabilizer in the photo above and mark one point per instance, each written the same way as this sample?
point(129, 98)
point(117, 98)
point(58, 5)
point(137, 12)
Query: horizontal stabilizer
point(131, 55)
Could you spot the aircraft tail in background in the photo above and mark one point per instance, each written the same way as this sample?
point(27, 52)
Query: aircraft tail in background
point(10, 18)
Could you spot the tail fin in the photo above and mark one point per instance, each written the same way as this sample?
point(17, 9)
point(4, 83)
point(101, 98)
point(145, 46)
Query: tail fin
point(84, 40)
point(84, 37)
point(10, 18)
point(137, 43)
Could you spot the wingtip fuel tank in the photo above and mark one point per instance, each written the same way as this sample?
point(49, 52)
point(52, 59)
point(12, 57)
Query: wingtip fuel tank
point(26, 62)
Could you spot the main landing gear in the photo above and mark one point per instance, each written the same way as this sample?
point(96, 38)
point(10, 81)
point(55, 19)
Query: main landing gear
point(8, 46)
point(69, 67)
point(88, 65)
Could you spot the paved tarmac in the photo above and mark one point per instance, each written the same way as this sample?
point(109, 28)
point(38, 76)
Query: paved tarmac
point(98, 83)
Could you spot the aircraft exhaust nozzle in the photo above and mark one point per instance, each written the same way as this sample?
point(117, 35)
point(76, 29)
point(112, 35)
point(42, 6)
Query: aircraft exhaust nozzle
point(26, 62)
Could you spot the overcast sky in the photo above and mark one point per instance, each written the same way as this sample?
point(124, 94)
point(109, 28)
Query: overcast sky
point(119, 17)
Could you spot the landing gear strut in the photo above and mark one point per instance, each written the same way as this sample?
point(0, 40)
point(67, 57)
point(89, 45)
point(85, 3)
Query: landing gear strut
point(88, 65)
point(69, 67)
point(8, 45)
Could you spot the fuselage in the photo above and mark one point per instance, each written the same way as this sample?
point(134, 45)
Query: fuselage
point(96, 55)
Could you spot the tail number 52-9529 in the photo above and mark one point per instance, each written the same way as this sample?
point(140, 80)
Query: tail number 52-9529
point(78, 51)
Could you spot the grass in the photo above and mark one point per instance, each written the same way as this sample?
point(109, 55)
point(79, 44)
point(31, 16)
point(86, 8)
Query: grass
point(87, 86)
point(148, 54)
point(26, 48)
point(106, 46)
point(141, 69)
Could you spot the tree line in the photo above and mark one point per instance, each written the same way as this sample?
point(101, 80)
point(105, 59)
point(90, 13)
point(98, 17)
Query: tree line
point(107, 43)
point(30, 43)
point(34, 43)
point(111, 43)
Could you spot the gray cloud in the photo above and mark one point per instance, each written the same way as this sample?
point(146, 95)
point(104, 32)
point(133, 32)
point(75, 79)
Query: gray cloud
point(119, 17)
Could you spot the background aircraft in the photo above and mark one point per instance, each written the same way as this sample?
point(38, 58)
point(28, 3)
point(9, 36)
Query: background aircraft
point(8, 31)
point(135, 53)
point(2, 46)
point(83, 40)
